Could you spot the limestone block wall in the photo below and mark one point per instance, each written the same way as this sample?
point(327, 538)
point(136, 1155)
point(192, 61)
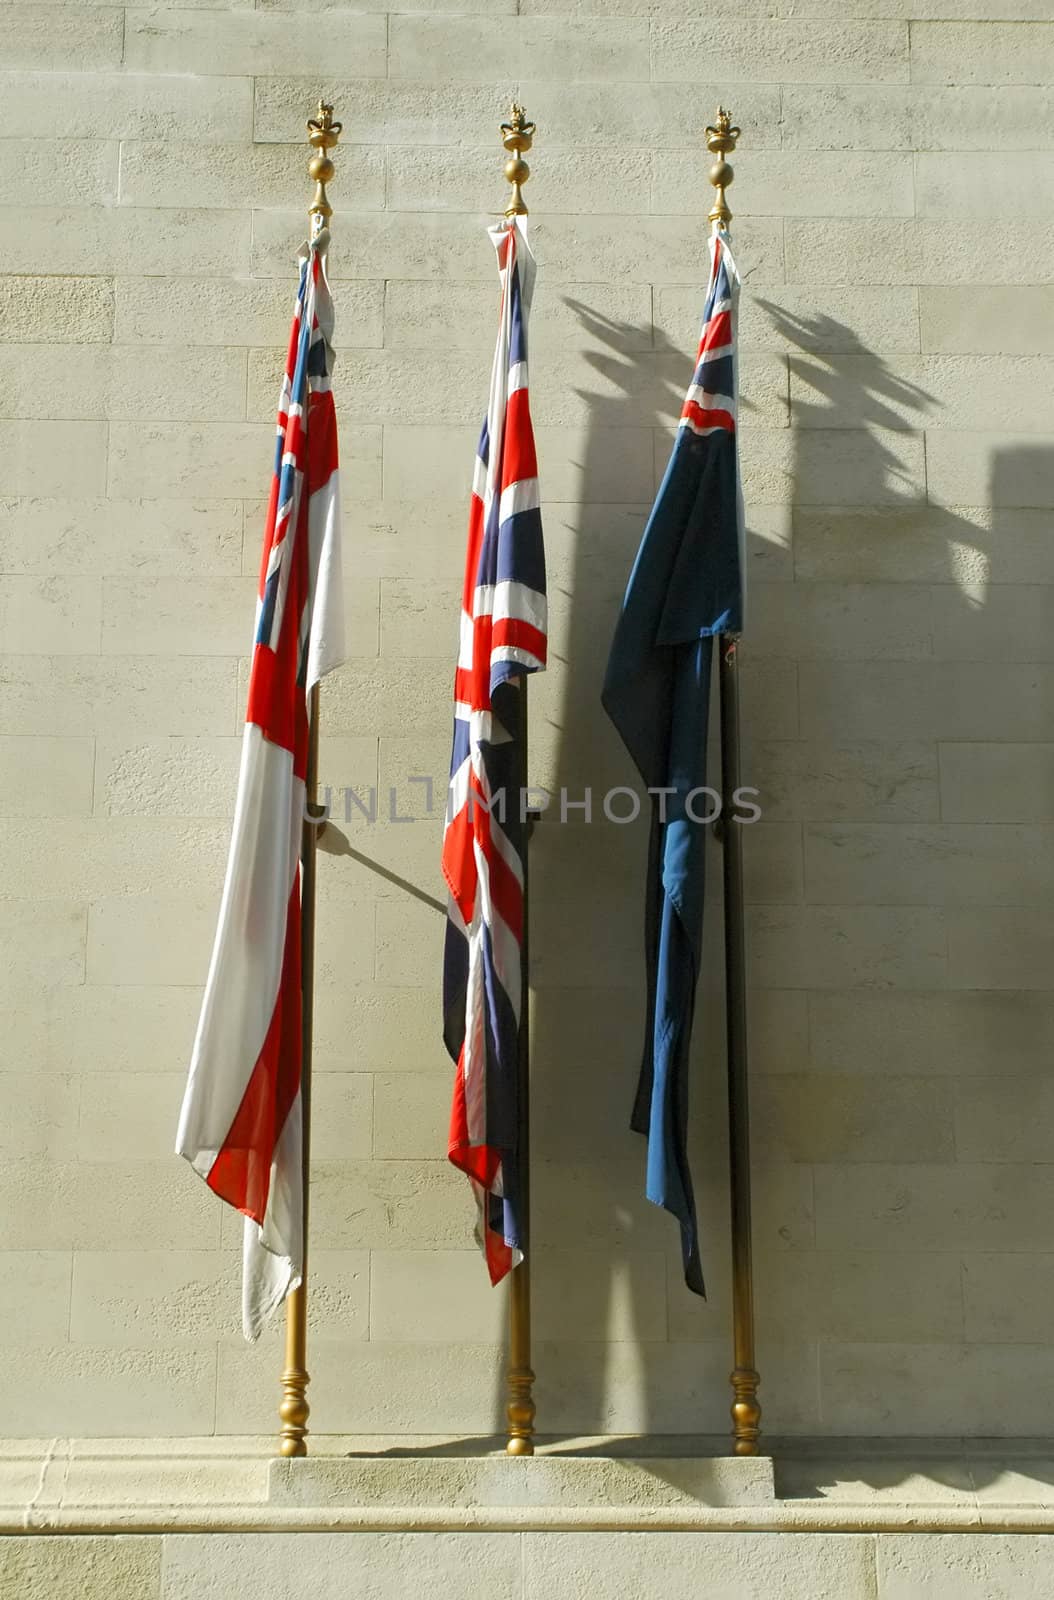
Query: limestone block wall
point(894, 209)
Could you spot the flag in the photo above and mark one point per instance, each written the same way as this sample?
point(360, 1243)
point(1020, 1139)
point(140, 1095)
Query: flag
point(503, 637)
point(241, 1126)
point(686, 586)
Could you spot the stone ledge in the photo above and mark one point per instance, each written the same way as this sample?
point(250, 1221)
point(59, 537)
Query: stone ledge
point(446, 1486)
point(817, 1517)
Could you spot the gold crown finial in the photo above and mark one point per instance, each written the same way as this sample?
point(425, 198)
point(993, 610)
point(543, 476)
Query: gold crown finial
point(322, 134)
point(517, 135)
point(720, 141)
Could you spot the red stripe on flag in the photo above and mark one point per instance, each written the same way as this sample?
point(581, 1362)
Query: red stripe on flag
point(458, 861)
point(463, 682)
point(475, 541)
point(269, 533)
point(281, 716)
point(268, 707)
point(717, 333)
point(294, 342)
point(513, 634)
point(482, 629)
point(518, 458)
point(322, 455)
point(241, 1172)
point(478, 1161)
point(705, 418)
point(498, 1254)
point(294, 440)
point(505, 892)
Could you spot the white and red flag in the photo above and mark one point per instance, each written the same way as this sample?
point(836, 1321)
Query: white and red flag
point(241, 1126)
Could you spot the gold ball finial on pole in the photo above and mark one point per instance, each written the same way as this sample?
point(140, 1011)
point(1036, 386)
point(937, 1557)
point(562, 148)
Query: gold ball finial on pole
point(517, 135)
point(323, 134)
point(720, 141)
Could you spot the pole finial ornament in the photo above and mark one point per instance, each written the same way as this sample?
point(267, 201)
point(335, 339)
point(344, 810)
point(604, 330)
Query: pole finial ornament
point(720, 141)
point(323, 134)
point(517, 135)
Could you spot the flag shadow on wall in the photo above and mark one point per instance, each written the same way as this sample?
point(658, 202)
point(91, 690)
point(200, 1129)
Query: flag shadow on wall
point(621, 1346)
point(920, 629)
point(836, 495)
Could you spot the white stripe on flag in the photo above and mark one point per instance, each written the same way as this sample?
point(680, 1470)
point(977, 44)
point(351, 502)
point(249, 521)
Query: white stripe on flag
point(518, 603)
point(272, 1255)
point(524, 658)
point(504, 946)
point(504, 602)
point(246, 966)
point(710, 401)
point(503, 846)
point(459, 787)
point(521, 496)
point(327, 646)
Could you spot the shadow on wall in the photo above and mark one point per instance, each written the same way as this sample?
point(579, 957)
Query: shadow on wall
point(622, 1346)
point(957, 666)
point(606, 1263)
point(837, 382)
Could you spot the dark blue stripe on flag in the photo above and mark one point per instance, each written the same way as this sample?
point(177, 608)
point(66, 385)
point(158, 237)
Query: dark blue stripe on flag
point(487, 566)
point(459, 751)
point(517, 332)
point(286, 471)
point(521, 553)
point(716, 375)
point(270, 595)
point(719, 290)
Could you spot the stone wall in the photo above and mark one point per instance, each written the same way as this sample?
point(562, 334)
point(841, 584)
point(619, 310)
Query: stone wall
point(894, 209)
point(261, 1566)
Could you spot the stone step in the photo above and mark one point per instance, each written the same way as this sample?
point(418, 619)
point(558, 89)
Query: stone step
point(544, 1480)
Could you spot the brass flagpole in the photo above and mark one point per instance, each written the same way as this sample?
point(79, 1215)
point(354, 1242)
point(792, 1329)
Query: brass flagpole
point(517, 137)
point(746, 1412)
point(294, 1409)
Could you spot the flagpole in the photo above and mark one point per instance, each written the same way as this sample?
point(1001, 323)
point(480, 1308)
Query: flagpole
point(517, 137)
point(294, 1409)
point(746, 1411)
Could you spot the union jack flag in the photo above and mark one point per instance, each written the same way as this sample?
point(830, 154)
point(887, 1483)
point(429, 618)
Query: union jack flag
point(710, 408)
point(241, 1126)
point(503, 637)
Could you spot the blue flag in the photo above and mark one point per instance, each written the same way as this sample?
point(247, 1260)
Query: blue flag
point(686, 587)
